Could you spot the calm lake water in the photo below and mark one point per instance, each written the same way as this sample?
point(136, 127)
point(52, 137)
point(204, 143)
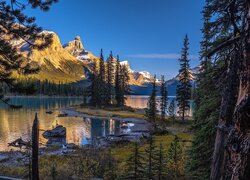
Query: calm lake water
point(18, 123)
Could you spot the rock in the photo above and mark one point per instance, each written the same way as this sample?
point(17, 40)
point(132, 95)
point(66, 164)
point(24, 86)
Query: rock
point(70, 146)
point(56, 141)
point(3, 158)
point(49, 112)
point(63, 115)
point(58, 132)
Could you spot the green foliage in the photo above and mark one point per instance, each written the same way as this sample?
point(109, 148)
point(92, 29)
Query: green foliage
point(10, 60)
point(161, 164)
point(164, 97)
point(53, 172)
point(111, 169)
point(109, 85)
point(205, 119)
point(151, 111)
point(183, 91)
point(110, 78)
point(175, 159)
point(135, 169)
point(101, 81)
point(124, 83)
point(151, 158)
point(171, 110)
point(118, 84)
point(207, 102)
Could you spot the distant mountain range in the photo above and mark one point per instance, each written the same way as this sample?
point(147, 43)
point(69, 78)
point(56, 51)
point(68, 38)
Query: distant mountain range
point(72, 63)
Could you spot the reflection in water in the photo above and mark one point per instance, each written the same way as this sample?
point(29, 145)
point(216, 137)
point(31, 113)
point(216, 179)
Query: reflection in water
point(141, 103)
point(18, 123)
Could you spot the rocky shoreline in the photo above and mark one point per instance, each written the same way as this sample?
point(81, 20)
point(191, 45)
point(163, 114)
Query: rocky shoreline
point(131, 130)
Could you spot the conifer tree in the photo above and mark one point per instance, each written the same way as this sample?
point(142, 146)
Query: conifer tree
point(183, 91)
point(151, 157)
point(110, 78)
point(93, 88)
point(124, 83)
point(171, 110)
point(206, 115)
point(161, 164)
point(175, 158)
point(118, 84)
point(164, 96)
point(135, 169)
point(16, 25)
point(205, 119)
point(151, 111)
point(110, 171)
point(101, 77)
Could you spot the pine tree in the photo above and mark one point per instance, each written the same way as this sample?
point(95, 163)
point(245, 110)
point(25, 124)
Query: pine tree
point(206, 115)
point(101, 77)
point(110, 78)
point(53, 172)
point(171, 110)
point(175, 158)
point(118, 84)
point(110, 171)
point(161, 164)
point(183, 92)
point(205, 119)
point(164, 96)
point(151, 111)
point(151, 155)
point(124, 83)
point(135, 169)
point(16, 25)
point(93, 88)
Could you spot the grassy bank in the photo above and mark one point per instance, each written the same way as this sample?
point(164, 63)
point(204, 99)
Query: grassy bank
point(86, 162)
point(125, 112)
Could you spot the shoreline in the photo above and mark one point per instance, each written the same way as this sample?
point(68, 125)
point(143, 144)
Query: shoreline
point(139, 123)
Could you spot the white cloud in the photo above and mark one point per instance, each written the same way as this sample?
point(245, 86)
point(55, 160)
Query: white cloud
point(160, 56)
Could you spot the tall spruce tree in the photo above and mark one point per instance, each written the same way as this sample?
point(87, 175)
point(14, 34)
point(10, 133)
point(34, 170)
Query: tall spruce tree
point(161, 164)
point(175, 159)
point(110, 78)
point(229, 42)
point(183, 92)
point(206, 115)
point(171, 110)
point(151, 157)
point(118, 84)
point(124, 83)
point(151, 111)
point(93, 88)
point(101, 77)
point(135, 169)
point(164, 98)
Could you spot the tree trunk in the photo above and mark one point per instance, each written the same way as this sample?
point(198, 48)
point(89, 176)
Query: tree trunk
point(228, 103)
point(238, 146)
point(35, 148)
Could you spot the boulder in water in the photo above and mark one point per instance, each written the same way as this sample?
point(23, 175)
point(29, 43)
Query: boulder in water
point(58, 132)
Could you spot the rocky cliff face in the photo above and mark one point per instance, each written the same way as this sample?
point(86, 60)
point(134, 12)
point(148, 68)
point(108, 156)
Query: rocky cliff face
point(70, 62)
point(56, 63)
point(138, 78)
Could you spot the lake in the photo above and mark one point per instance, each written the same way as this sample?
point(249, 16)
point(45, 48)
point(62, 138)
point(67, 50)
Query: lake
point(18, 123)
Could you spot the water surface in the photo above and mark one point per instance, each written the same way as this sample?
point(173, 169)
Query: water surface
point(18, 123)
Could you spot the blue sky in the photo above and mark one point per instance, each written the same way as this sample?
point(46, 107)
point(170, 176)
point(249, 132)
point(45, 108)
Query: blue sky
point(147, 33)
